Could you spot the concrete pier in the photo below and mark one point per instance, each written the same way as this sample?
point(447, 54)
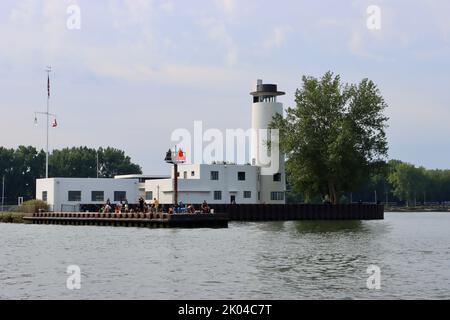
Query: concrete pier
point(149, 220)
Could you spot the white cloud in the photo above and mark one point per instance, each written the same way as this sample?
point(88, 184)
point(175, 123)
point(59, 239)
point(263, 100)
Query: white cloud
point(228, 6)
point(277, 37)
point(218, 32)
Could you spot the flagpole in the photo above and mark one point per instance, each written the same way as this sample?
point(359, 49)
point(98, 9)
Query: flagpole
point(48, 70)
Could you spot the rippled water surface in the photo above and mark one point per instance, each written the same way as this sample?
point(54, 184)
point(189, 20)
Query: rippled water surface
point(251, 260)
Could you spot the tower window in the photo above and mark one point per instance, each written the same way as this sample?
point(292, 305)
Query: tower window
point(241, 175)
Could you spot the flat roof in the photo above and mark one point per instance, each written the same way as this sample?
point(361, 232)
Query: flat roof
point(142, 176)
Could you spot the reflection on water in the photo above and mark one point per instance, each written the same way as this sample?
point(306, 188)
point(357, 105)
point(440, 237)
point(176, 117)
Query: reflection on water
point(311, 226)
point(249, 260)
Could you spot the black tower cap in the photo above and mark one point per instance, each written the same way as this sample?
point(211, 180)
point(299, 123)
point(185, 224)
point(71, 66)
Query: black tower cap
point(266, 90)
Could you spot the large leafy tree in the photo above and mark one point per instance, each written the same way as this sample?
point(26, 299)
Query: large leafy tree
point(334, 139)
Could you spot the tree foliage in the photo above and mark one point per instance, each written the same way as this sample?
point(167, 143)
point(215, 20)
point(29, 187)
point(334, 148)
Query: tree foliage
point(334, 139)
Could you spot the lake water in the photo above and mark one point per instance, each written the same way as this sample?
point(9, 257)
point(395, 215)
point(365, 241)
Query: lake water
point(251, 260)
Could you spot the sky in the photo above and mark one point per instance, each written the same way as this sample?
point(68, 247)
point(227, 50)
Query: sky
point(128, 73)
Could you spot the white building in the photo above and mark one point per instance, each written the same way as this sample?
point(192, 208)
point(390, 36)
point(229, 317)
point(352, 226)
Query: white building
point(66, 194)
point(215, 183)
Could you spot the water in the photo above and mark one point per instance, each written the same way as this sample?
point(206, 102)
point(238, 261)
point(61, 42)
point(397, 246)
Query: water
point(252, 260)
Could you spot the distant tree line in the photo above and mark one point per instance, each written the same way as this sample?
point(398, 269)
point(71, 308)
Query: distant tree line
point(22, 166)
point(400, 183)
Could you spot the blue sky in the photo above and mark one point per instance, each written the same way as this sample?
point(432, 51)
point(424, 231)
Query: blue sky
point(137, 69)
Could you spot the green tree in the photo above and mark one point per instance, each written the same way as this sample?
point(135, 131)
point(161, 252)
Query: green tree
point(82, 162)
point(408, 181)
point(334, 138)
point(21, 168)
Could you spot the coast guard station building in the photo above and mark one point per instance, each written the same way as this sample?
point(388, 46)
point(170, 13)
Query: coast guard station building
point(215, 183)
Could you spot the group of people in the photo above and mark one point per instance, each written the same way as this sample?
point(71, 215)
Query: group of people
point(181, 208)
point(153, 207)
point(124, 207)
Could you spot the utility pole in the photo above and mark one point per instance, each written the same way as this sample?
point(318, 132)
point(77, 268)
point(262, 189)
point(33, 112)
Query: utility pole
point(175, 184)
point(3, 191)
point(97, 164)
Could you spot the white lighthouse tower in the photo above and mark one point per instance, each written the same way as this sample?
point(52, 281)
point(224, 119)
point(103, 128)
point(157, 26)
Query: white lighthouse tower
point(272, 176)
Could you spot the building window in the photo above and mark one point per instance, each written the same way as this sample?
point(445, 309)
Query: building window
point(241, 175)
point(277, 177)
point(44, 195)
point(247, 194)
point(185, 175)
point(178, 174)
point(259, 195)
point(276, 195)
point(120, 195)
point(217, 195)
point(97, 196)
point(214, 175)
point(149, 195)
point(74, 196)
point(192, 173)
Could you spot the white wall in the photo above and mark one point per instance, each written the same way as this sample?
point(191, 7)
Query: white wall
point(200, 187)
point(262, 114)
point(58, 188)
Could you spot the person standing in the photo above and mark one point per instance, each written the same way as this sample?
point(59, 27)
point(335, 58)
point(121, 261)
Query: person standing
point(141, 204)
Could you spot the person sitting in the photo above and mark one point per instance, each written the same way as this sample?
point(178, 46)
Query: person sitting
point(170, 211)
point(191, 209)
point(205, 207)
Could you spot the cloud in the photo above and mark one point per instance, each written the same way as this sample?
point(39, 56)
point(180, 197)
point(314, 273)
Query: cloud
point(228, 6)
point(217, 31)
point(277, 38)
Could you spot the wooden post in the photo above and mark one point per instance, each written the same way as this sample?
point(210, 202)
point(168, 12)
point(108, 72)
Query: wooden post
point(175, 184)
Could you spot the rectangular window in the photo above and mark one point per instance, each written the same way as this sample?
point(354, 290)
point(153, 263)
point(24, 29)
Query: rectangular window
point(217, 195)
point(97, 196)
point(275, 195)
point(149, 195)
point(192, 173)
point(74, 196)
point(247, 194)
point(214, 175)
point(241, 175)
point(185, 175)
point(277, 177)
point(120, 195)
point(44, 195)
